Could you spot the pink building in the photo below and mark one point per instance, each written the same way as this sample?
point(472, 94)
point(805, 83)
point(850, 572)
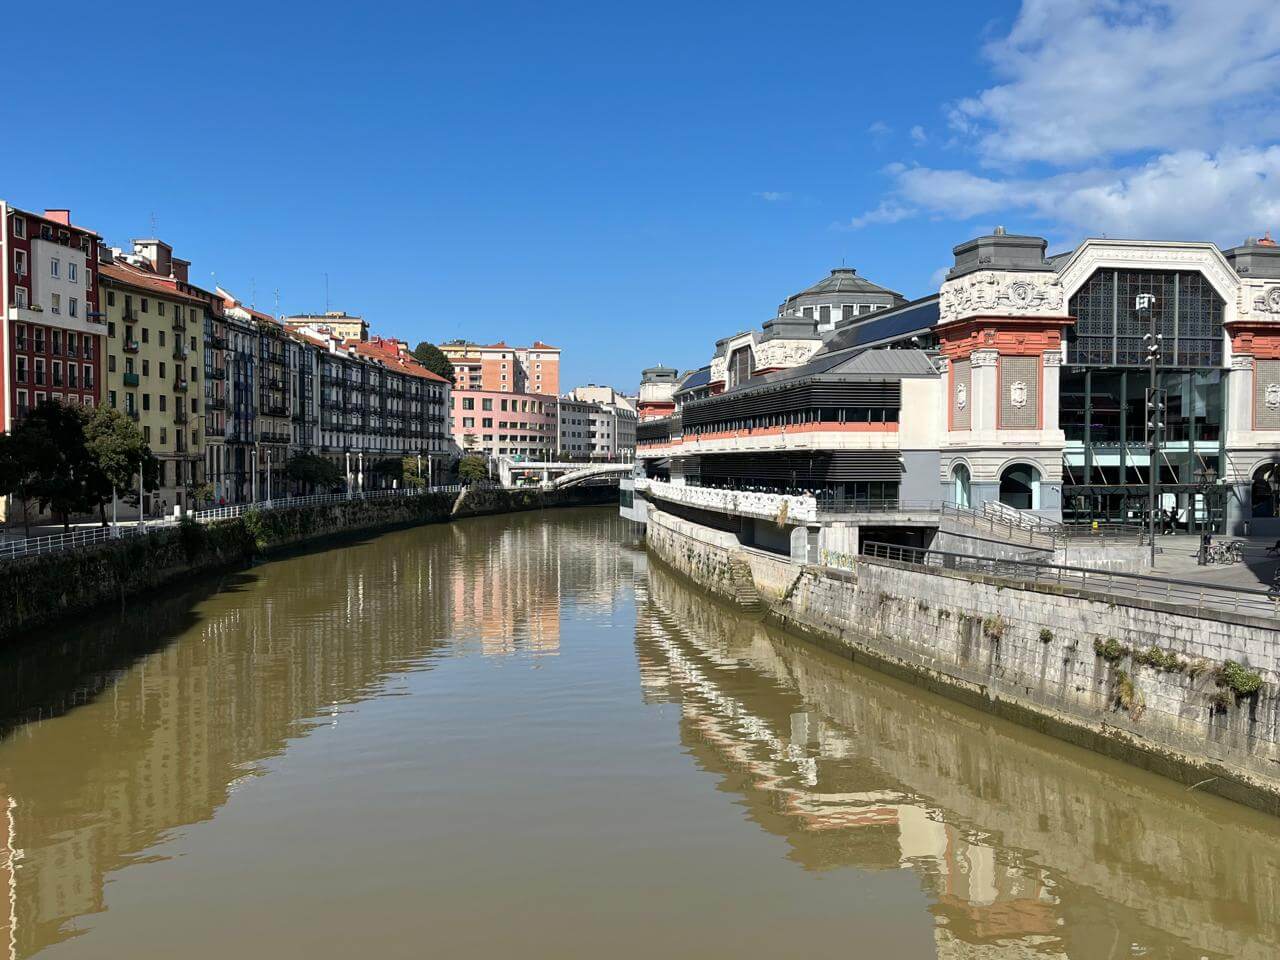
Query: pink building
point(499, 424)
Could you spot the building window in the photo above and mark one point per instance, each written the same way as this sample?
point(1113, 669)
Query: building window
point(144, 305)
point(21, 366)
point(19, 227)
point(111, 298)
point(55, 267)
point(20, 336)
point(40, 371)
point(39, 339)
point(88, 377)
point(20, 262)
point(55, 304)
point(20, 296)
point(71, 271)
point(146, 401)
point(73, 307)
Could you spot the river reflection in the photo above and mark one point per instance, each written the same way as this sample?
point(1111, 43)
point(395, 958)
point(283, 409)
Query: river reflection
point(513, 736)
point(1026, 847)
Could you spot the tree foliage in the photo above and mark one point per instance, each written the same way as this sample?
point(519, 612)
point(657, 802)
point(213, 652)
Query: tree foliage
point(70, 459)
point(473, 469)
point(433, 358)
point(314, 471)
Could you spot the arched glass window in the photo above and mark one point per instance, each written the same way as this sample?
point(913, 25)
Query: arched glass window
point(1266, 490)
point(960, 481)
point(742, 363)
point(1020, 486)
point(1109, 331)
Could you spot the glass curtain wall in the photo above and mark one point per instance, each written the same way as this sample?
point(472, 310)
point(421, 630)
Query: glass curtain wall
point(1107, 465)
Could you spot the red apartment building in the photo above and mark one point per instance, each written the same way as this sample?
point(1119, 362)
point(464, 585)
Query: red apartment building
point(52, 337)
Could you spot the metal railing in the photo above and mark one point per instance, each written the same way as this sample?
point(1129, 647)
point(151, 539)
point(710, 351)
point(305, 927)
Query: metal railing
point(52, 543)
point(1118, 587)
point(996, 523)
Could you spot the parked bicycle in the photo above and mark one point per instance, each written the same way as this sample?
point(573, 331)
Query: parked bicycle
point(1229, 552)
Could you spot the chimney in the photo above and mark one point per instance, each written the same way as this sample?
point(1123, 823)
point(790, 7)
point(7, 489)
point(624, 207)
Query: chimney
point(59, 216)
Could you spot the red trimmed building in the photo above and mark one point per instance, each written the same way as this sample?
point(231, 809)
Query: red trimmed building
point(53, 331)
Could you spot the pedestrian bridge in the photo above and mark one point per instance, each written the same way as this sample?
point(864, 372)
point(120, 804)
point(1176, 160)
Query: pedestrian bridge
point(556, 475)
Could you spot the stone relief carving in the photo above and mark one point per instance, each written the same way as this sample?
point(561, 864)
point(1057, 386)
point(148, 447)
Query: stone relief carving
point(1053, 359)
point(784, 353)
point(1095, 254)
point(962, 396)
point(983, 358)
point(1018, 394)
point(719, 369)
point(990, 291)
point(1267, 301)
point(1242, 361)
point(1271, 397)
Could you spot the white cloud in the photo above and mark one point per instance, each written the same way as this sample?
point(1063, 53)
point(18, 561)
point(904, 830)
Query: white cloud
point(918, 136)
point(1092, 78)
point(1186, 195)
point(889, 211)
point(879, 129)
point(772, 196)
point(1144, 119)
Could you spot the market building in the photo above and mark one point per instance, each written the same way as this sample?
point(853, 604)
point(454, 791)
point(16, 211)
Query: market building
point(1024, 382)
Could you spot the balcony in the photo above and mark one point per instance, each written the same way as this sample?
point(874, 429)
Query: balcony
point(132, 346)
point(216, 374)
point(215, 342)
point(180, 385)
point(215, 403)
point(276, 410)
point(179, 324)
point(132, 413)
point(130, 379)
point(180, 416)
point(180, 351)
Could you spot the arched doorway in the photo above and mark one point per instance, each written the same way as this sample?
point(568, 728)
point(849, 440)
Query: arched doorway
point(1020, 486)
point(1265, 493)
point(960, 483)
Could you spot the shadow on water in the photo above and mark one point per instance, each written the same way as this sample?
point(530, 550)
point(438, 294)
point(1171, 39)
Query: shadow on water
point(1026, 846)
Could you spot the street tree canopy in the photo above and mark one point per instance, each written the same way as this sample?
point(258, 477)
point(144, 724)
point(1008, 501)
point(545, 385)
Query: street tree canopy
point(433, 358)
point(314, 470)
point(473, 469)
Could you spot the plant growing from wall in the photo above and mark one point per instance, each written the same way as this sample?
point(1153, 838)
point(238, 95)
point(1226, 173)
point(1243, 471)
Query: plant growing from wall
point(993, 628)
point(1127, 696)
point(1111, 649)
point(1158, 659)
point(1242, 681)
point(1046, 635)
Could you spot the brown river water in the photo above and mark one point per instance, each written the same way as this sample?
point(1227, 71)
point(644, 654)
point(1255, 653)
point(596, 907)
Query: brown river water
point(516, 737)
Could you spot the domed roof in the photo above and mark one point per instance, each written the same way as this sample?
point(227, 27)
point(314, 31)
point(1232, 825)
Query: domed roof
point(842, 280)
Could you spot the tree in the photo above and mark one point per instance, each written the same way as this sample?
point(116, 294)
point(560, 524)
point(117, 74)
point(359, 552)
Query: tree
point(55, 463)
point(116, 448)
point(433, 358)
point(414, 472)
point(314, 472)
point(388, 468)
point(473, 469)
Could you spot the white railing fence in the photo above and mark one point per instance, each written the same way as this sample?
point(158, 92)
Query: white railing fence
point(34, 546)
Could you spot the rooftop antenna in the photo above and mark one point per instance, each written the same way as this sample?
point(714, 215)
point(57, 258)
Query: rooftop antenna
point(253, 293)
point(154, 232)
point(277, 301)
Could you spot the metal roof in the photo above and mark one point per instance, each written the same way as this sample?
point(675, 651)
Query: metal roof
point(918, 316)
point(694, 379)
point(842, 280)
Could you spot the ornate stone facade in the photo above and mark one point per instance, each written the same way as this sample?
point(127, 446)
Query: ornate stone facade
point(1002, 293)
point(777, 354)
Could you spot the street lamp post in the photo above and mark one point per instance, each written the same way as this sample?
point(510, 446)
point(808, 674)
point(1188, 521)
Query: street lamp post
point(1144, 304)
point(347, 455)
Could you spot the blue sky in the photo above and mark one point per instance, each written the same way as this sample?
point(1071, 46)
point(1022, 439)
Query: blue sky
point(633, 182)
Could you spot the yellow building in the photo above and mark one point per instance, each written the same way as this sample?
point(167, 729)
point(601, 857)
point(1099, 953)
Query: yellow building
point(155, 366)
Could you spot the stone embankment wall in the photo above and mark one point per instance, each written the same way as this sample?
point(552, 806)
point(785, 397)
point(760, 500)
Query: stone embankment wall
point(1192, 696)
point(39, 591)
